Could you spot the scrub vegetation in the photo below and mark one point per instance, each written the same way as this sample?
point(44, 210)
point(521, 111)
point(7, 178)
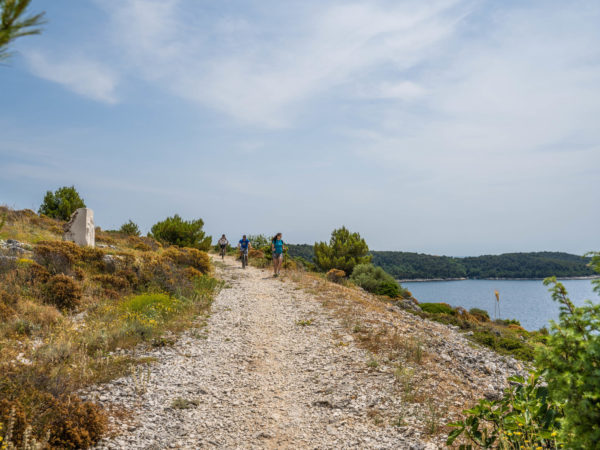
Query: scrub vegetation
point(559, 404)
point(67, 312)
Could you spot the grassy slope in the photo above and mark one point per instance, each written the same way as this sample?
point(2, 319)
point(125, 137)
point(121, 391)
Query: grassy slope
point(128, 292)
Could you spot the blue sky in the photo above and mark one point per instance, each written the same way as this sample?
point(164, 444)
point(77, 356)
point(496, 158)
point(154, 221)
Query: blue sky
point(446, 127)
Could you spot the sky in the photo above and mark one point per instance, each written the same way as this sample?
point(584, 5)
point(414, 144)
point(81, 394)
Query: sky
point(447, 127)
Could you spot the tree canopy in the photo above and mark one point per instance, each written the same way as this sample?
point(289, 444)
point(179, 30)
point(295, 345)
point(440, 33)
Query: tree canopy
point(62, 203)
point(345, 250)
point(176, 231)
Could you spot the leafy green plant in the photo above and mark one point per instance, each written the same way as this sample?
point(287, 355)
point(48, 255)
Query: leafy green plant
point(176, 231)
point(130, 228)
point(62, 203)
point(376, 280)
point(566, 410)
point(344, 252)
point(525, 417)
point(571, 361)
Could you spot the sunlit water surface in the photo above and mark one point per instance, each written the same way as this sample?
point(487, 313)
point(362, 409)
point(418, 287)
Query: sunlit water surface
point(525, 300)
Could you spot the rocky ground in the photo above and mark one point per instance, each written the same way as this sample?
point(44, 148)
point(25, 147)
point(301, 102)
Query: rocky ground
point(283, 363)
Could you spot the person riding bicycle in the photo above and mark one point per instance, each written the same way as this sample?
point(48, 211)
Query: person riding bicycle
point(223, 243)
point(243, 246)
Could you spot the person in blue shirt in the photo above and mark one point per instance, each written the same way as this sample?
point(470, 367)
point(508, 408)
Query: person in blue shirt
point(243, 247)
point(278, 247)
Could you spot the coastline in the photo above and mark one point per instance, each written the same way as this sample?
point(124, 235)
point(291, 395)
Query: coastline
point(420, 280)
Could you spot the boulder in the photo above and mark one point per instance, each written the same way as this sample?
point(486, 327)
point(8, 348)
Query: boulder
point(80, 229)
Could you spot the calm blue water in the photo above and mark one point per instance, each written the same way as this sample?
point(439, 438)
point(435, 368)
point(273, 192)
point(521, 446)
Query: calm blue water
point(525, 300)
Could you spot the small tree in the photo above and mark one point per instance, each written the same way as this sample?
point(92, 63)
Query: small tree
point(130, 228)
point(176, 231)
point(13, 26)
point(345, 250)
point(62, 203)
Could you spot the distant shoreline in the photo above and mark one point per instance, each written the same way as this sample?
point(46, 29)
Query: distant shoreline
point(420, 280)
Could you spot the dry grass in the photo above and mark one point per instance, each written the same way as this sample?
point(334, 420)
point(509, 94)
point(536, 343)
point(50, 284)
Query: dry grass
point(65, 315)
point(398, 345)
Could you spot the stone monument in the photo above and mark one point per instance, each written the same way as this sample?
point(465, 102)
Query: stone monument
point(80, 229)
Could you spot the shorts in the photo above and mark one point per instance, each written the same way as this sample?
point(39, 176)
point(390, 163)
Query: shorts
point(277, 255)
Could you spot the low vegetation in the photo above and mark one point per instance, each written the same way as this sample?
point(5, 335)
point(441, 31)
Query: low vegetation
point(376, 280)
point(65, 310)
point(506, 337)
point(559, 405)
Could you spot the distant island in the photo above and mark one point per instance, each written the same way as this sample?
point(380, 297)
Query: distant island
point(420, 266)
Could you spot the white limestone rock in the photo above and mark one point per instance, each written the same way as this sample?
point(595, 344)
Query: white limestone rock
point(80, 229)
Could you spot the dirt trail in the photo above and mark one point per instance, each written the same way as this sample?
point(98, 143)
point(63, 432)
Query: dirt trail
point(272, 369)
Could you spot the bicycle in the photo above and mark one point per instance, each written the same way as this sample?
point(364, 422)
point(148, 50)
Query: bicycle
point(223, 251)
point(244, 258)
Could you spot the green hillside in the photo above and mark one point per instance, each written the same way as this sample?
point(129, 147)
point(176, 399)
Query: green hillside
point(407, 265)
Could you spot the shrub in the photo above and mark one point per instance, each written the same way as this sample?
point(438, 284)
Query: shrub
point(74, 423)
point(437, 308)
point(336, 275)
point(60, 256)
point(189, 257)
point(571, 360)
point(62, 203)
point(389, 288)
point(344, 252)
point(376, 280)
point(523, 418)
point(176, 231)
point(63, 292)
point(255, 253)
point(112, 282)
point(480, 314)
point(130, 228)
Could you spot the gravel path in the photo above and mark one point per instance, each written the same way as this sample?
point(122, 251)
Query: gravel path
point(272, 369)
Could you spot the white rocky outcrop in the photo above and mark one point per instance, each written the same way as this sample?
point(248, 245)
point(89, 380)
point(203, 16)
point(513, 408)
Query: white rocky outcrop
point(80, 229)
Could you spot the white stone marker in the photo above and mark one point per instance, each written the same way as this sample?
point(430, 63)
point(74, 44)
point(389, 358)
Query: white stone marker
point(80, 229)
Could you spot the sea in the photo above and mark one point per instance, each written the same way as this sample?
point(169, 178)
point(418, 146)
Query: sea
point(528, 301)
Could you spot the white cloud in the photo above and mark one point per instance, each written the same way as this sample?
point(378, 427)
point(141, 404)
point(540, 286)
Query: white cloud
point(264, 71)
point(80, 75)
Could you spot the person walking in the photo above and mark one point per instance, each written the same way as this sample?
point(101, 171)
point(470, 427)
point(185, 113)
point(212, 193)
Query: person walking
point(243, 247)
point(223, 243)
point(278, 247)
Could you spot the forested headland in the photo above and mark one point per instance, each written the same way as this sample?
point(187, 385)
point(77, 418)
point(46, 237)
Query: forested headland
point(412, 266)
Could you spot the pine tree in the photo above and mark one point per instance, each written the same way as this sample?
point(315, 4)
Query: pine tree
point(345, 250)
point(62, 203)
point(12, 26)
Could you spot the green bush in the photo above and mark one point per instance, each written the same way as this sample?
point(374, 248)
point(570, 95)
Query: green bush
point(376, 280)
point(480, 314)
point(523, 418)
point(130, 228)
point(62, 203)
point(437, 308)
point(176, 231)
point(344, 252)
point(571, 364)
point(565, 410)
